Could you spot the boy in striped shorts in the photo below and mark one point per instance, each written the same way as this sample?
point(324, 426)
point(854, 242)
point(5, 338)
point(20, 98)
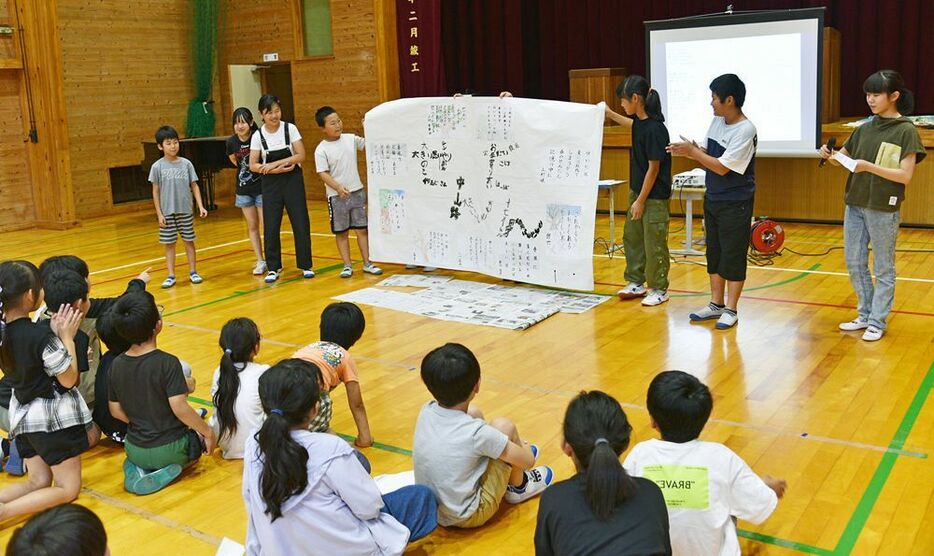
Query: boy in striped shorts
point(174, 182)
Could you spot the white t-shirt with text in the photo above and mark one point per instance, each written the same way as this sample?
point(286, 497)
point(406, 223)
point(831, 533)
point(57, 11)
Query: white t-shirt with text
point(704, 484)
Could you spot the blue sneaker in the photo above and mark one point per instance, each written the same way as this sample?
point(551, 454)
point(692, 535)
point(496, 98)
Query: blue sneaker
point(537, 480)
point(534, 449)
point(156, 480)
point(15, 465)
point(131, 474)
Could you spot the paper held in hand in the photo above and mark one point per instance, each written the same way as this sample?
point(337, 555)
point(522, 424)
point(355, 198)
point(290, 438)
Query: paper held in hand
point(845, 161)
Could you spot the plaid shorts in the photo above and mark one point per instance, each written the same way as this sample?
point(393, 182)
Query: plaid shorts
point(177, 225)
point(322, 420)
point(348, 213)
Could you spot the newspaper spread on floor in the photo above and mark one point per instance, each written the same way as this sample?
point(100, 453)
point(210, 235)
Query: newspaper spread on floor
point(442, 297)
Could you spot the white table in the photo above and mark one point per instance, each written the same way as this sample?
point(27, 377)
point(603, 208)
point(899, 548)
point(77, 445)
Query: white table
point(610, 187)
point(689, 194)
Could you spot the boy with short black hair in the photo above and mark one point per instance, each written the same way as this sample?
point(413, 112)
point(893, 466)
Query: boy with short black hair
point(342, 324)
point(147, 390)
point(705, 484)
point(729, 159)
point(336, 163)
point(469, 464)
point(174, 181)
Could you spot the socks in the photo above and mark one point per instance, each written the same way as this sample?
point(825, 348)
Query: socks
point(525, 481)
point(730, 311)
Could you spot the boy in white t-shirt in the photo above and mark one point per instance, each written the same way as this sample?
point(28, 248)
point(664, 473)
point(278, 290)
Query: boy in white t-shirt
point(705, 484)
point(336, 163)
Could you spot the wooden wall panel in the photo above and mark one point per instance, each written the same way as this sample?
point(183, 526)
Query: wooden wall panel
point(127, 71)
point(16, 208)
point(7, 50)
point(348, 80)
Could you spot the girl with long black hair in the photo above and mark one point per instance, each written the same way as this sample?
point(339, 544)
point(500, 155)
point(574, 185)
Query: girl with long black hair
point(601, 509)
point(235, 388)
point(307, 489)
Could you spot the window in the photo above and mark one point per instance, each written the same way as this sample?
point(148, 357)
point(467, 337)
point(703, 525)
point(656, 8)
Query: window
point(316, 27)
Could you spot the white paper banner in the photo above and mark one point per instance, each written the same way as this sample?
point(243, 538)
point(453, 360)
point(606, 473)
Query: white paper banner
point(506, 187)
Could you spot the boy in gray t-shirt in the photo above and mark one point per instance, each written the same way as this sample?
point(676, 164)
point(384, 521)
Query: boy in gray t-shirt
point(174, 181)
point(470, 465)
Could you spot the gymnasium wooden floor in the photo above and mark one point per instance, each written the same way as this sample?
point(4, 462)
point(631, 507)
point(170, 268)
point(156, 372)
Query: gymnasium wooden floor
point(847, 423)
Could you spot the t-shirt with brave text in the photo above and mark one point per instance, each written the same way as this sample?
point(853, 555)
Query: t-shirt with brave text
point(704, 484)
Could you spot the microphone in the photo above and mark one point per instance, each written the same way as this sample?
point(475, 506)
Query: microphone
point(830, 145)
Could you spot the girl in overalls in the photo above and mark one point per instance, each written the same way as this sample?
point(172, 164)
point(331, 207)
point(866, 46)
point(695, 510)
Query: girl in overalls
point(276, 152)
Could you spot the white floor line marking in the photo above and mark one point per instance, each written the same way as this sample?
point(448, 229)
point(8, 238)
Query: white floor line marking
point(139, 264)
point(569, 395)
point(154, 517)
point(763, 428)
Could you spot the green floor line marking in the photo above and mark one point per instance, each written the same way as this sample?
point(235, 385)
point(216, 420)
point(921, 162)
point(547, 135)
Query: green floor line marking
point(247, 292)
point(380, 445)
point(864, 508)
point(347, 437)
point(800, 547)
point(795, 278)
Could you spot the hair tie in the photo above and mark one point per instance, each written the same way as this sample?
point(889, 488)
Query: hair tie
point(600, 441)
point(228, 351)
point(277, 412)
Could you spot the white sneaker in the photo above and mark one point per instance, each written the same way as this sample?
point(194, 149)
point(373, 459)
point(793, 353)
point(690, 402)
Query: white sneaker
point(727, 320)
point(709, 312)
point(429, 268)
point(855, 324)
point(873, 334)
point(271, 276)
point(655, 297)
point(347, 272)
point(537, 480)
point(259, 268)
point(371, 268)
point(632, 291)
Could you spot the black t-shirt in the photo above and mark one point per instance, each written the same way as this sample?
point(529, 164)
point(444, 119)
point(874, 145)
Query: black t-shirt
point(143, 385)
point(248, 183)
point(567, 527)
point(649, 139)
point(26, 374)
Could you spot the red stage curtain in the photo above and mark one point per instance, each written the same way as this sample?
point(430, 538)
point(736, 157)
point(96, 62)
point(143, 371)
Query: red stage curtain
point(528, 46)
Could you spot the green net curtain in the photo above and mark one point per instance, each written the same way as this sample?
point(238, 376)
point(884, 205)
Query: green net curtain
point(203, 56)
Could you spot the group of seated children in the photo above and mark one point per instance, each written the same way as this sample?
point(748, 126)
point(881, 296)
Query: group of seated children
point(676, 495)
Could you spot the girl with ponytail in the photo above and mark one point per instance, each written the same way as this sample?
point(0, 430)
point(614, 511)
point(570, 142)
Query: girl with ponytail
point(601, 509)
point(306, 491)
point(886, 150)
point(645, 235)
point(235, 388)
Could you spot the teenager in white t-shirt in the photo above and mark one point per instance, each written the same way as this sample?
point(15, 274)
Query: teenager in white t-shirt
point(728, 156)
point(705, 484)
point(336, 164)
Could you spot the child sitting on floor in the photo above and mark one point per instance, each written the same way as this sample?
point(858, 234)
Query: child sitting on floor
point(49, 420)
point(469, 464)
point(148, 391)
point(305, 489)
point(235, 387)
point(342, 324)
point(705, 484)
